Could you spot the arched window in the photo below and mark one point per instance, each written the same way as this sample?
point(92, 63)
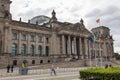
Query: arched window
point(48, 61)
point(41, 61)
point(40, 50)
point(47, 51)
point(32, 50)
point(23, 49)
point(33, 61)
point(15, 62)
point(14, 49)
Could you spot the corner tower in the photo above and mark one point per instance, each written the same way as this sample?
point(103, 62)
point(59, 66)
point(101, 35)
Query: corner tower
point(53, 19)
point(5, 9)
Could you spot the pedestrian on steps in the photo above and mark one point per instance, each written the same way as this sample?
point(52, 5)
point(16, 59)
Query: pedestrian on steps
point(8, 68)
point(53, 70)
point(12, 68)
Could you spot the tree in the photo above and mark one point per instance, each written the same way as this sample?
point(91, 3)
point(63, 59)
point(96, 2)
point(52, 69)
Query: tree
point(117, 56)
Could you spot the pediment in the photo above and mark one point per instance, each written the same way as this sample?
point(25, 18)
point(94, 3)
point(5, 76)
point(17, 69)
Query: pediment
point(78, 29)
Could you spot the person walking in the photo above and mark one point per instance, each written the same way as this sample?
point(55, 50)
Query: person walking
point(53, 69)
point(8, 68)
point(106, 66)
point(12, 68)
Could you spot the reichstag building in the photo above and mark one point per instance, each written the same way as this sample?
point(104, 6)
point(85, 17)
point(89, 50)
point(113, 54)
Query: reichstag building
point(46, 40)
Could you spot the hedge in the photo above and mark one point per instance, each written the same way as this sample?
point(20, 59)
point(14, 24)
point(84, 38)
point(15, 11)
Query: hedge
point(112, 73)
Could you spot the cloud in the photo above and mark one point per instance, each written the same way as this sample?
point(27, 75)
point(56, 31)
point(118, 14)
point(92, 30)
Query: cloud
point(109, 11)
point(94, 13)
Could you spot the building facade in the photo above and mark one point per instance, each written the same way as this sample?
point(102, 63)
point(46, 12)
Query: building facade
point(51, 42)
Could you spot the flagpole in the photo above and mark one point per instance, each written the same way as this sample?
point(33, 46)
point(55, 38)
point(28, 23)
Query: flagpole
point(95, 53)
point(100, 55)
point(89, 40)
point(94, 49)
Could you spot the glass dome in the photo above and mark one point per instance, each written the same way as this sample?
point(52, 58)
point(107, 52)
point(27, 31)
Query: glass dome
point(40, 20)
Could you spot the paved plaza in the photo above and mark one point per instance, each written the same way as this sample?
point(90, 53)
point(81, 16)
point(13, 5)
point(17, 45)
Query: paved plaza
point(60, 76)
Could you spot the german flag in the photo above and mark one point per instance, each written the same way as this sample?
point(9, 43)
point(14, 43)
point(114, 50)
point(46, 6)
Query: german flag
point(98, 21)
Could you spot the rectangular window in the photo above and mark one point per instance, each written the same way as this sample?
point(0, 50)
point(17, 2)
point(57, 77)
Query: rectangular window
point(39, 38)
point(23, 37)
point(32, 38)
point(47, 39)
point(14, 36)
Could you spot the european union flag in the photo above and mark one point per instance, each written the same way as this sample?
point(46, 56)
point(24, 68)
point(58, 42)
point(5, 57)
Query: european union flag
point(90, 38)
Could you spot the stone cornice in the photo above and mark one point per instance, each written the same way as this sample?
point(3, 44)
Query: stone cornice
point(27, 25)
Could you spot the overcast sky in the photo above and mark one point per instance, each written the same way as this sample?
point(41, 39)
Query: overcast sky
point(72, 11)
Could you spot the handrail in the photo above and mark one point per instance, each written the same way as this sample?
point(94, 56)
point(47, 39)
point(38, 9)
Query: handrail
point(3, 72)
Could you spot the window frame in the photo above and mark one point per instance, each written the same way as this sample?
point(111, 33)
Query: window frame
point(24, 37)
point(23, 49)
point(14, 36)
point(32, 38)
point(14, 49)
point(40, 39)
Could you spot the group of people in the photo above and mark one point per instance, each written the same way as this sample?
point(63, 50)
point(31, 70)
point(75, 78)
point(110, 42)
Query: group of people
point(9, 68)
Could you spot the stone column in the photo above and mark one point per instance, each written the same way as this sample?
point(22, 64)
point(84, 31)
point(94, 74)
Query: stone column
point(105, 50)
point(51, 45)
point(36, 44)
point(63, 44)
point(5, 39)
point(95, 52)
point(86, 48)
point(75, 49)
point(100, 53)
point(69, 45)
point(112, 50)
point(44, 45)
point(28, 43)
point(109, 50)
point(10, 40)
point(19, 42)
point(80, 44)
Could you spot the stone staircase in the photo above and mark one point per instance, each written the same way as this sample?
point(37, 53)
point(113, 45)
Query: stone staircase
point(4, 60)
point(72, 64)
